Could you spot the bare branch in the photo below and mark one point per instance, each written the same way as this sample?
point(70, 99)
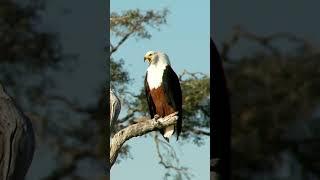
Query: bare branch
point(194, 75)
point(135, 23)
point(170, 166)
point(264, 41)
point(200, 132)
point(162, 162)
point(139, 129)
point(123, 39)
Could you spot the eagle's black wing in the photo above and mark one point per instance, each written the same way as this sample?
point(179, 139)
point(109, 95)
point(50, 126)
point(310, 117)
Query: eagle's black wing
point(173, 93)
point(152, 107)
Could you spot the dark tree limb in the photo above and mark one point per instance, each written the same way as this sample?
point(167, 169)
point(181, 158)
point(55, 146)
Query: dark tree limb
point(123, 39)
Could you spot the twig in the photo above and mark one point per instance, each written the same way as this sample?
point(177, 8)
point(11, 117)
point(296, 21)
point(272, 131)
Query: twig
point(162, 162)
point(264, 41)
point(194, 75)
point(200, 132)
point(180, 170)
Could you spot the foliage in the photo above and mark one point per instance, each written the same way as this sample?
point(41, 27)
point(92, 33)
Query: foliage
point(272, 98)
point(24, 49)
point(135, 22)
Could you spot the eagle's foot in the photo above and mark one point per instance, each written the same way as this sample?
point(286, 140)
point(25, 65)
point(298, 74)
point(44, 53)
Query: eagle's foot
point(156, 117)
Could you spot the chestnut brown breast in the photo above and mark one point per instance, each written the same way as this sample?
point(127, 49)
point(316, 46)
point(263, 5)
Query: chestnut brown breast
point(163, 108)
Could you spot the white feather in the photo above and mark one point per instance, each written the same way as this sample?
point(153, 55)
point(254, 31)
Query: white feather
point(156, 69)
point(168, 131)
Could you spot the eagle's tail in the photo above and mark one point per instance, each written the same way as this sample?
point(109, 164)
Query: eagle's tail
point(167, 132)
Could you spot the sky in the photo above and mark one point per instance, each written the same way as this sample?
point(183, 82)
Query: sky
point(185, 39)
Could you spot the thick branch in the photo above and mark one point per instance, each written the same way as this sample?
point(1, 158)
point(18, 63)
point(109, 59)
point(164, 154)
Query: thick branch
point(138, 129)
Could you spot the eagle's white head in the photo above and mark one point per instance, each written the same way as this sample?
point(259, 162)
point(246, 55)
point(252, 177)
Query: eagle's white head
point(156, 58)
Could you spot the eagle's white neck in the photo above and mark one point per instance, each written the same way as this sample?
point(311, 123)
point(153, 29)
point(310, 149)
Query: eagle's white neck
point(156, 69)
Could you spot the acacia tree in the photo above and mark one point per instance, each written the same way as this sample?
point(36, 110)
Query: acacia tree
point(195, 90)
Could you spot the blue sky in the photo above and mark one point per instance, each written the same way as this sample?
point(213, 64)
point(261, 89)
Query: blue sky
point(186, 41)
point(185, 38)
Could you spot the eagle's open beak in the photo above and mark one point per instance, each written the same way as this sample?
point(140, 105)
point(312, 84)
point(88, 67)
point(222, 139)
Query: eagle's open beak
point(146, 58)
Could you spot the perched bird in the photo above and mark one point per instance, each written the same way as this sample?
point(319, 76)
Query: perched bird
point(115, 107)
point(17, 141)
point(163, 91)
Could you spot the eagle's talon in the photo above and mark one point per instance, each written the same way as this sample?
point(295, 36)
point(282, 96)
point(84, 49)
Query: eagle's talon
point(156, 117)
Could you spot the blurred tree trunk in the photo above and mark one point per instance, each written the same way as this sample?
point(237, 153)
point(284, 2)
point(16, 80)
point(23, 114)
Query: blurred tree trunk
point(17, 140)
point(221, 120)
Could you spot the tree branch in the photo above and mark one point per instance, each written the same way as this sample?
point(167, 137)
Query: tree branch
point(123, 39)
point(264, 41)
point(194, 75)
point(139, 129)
point(200, 132)
point(162, 161)
point(170, 165)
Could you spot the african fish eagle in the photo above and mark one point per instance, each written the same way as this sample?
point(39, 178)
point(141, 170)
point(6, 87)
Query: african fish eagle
point(163, 91)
